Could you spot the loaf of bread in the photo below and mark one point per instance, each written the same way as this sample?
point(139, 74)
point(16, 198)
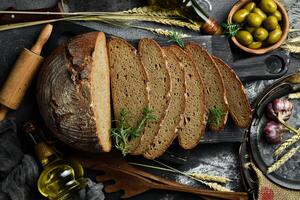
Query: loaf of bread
point(239, 106)
point(73, 93)
point(195, 113)
point(154, 61)
point(215, 91)
point(170, 124)
point(128, 84)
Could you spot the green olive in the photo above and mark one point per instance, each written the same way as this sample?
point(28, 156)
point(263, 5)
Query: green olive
point(240, 16)
point(254, 20)
point(260, 12)
point(278, 15)
point(255, 45)
point(274, 36)
point(250, 29)
point(261, 34)
point(271, 23)
point(250, 6)
point(244, 37)
point(268, 6)
point(278, 27)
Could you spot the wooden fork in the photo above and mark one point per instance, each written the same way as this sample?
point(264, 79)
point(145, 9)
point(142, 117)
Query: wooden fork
point(134, 181)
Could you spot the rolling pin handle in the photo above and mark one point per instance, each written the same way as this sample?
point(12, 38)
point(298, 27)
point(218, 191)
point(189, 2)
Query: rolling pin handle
point(42, 39)
point(3, 112)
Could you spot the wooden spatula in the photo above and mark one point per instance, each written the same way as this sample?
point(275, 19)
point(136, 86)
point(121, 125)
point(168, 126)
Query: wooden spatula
point(134, 181)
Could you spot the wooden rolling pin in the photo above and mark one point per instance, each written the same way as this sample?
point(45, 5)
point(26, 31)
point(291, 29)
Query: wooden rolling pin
point(21, 75)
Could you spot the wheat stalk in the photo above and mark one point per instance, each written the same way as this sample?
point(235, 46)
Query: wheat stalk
point(196, 176)
point(286, 144)
point(206, 177)
point(214, 186)
point(294, 95)
point(193, 26)
point(162, 20)
point(163, 32)
point(282, 160)
point(293, 48)
point(154, 11)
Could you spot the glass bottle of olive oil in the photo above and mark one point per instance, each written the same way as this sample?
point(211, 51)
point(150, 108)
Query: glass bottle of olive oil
point(60, 177)
point(192, 10)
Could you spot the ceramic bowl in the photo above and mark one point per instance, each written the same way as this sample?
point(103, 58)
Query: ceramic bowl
point(284, 27)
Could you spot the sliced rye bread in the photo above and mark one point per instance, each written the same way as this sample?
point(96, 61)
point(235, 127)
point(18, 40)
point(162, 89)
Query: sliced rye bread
point(195, 113)
point(168, 127)
point(154, 61)
point(239, 106)
point(128, 83)
point(215, 91)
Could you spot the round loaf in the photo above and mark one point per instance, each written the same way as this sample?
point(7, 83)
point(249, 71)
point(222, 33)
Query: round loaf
point(73, 93)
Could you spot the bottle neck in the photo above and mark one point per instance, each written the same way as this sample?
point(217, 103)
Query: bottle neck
point(45, 153)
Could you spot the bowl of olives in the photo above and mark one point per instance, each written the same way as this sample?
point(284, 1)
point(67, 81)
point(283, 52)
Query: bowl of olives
point(263, 25)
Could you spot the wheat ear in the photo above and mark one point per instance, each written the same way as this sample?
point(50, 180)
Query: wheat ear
point(286, 144)
point(282, 160)
point(164, 32)
point(193, 26)
point(154, 11)
point(206, 177)
point(293, 48)
point(214, 186)
point(294, 95)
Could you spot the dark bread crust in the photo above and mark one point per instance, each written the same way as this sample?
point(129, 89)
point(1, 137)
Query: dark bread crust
point(239, 106)
point(64, 93)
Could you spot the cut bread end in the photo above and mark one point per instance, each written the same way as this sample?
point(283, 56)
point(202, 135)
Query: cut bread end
point(239, 106)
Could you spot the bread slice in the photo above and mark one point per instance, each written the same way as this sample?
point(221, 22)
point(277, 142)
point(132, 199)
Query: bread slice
point(128, 83)
point(154, 61)
point(168, 127)
point(195, 113)
point(239, 106)
point(73, 93)
point(215, 92)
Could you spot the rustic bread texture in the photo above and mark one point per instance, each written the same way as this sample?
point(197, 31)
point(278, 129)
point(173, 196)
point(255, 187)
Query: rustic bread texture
point(168, 127)
point(73, 93)
point(195, 113)
point(239, 107)
point(154, 62)
point(215, 91)
point(128, 83)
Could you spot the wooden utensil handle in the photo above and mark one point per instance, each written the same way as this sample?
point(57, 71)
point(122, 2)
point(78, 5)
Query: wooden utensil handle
point(208, 193)
point(42, 39)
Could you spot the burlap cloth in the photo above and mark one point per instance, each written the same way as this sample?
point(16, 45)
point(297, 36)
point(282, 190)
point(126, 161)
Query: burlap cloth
point(269, 191)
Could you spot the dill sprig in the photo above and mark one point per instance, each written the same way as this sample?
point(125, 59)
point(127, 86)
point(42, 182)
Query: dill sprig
point(177, 37)
point(124, 133)
point(215, 115)
point(230, 30)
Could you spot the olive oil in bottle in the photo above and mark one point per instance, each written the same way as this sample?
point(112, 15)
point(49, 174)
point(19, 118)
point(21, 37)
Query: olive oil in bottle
point(192, 10)
point(60, 177)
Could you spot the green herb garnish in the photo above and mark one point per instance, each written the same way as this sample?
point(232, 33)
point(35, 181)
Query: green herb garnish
point(230, 30)
point(177, 37)
point(215, 115)
point(123, 133)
